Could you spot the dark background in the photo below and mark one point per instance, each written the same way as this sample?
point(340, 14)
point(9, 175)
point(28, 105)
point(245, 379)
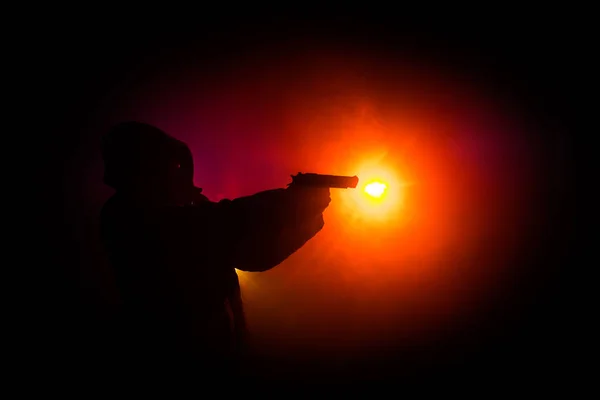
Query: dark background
point(526, 62)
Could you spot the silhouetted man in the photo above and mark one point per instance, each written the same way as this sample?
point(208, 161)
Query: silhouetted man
point(175, 252)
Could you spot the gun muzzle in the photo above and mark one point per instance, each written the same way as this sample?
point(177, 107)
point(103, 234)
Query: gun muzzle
point(324, 181)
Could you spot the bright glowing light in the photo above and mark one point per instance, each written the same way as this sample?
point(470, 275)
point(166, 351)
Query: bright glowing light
point(373, 199)
point(375, 189)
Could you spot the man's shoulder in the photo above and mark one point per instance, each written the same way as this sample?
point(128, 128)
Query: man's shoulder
point(117, 209)
point(187, 212)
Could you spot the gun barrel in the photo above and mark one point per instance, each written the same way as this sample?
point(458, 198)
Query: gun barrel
point(324, 181)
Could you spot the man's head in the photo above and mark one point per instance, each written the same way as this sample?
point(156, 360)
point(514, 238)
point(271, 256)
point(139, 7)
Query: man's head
point(142, 159)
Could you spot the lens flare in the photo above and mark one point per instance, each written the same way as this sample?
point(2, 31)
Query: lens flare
point(375, 189)
point(378, 195)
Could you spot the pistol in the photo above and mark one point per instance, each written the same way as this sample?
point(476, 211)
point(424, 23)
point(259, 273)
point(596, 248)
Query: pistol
point(324, 181)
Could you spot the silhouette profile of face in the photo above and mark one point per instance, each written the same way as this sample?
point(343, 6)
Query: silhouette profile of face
point(141, 158)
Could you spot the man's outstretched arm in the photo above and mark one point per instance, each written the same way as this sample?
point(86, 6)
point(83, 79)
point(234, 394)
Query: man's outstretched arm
point(269, 226)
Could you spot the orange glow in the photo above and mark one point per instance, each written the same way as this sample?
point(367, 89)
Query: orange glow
point(375, 189)
point(242, 276)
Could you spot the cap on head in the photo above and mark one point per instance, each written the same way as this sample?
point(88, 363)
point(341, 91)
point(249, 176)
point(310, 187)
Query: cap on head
point(135, 152)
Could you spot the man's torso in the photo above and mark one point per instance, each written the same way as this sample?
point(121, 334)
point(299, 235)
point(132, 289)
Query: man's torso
point(173, 277)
